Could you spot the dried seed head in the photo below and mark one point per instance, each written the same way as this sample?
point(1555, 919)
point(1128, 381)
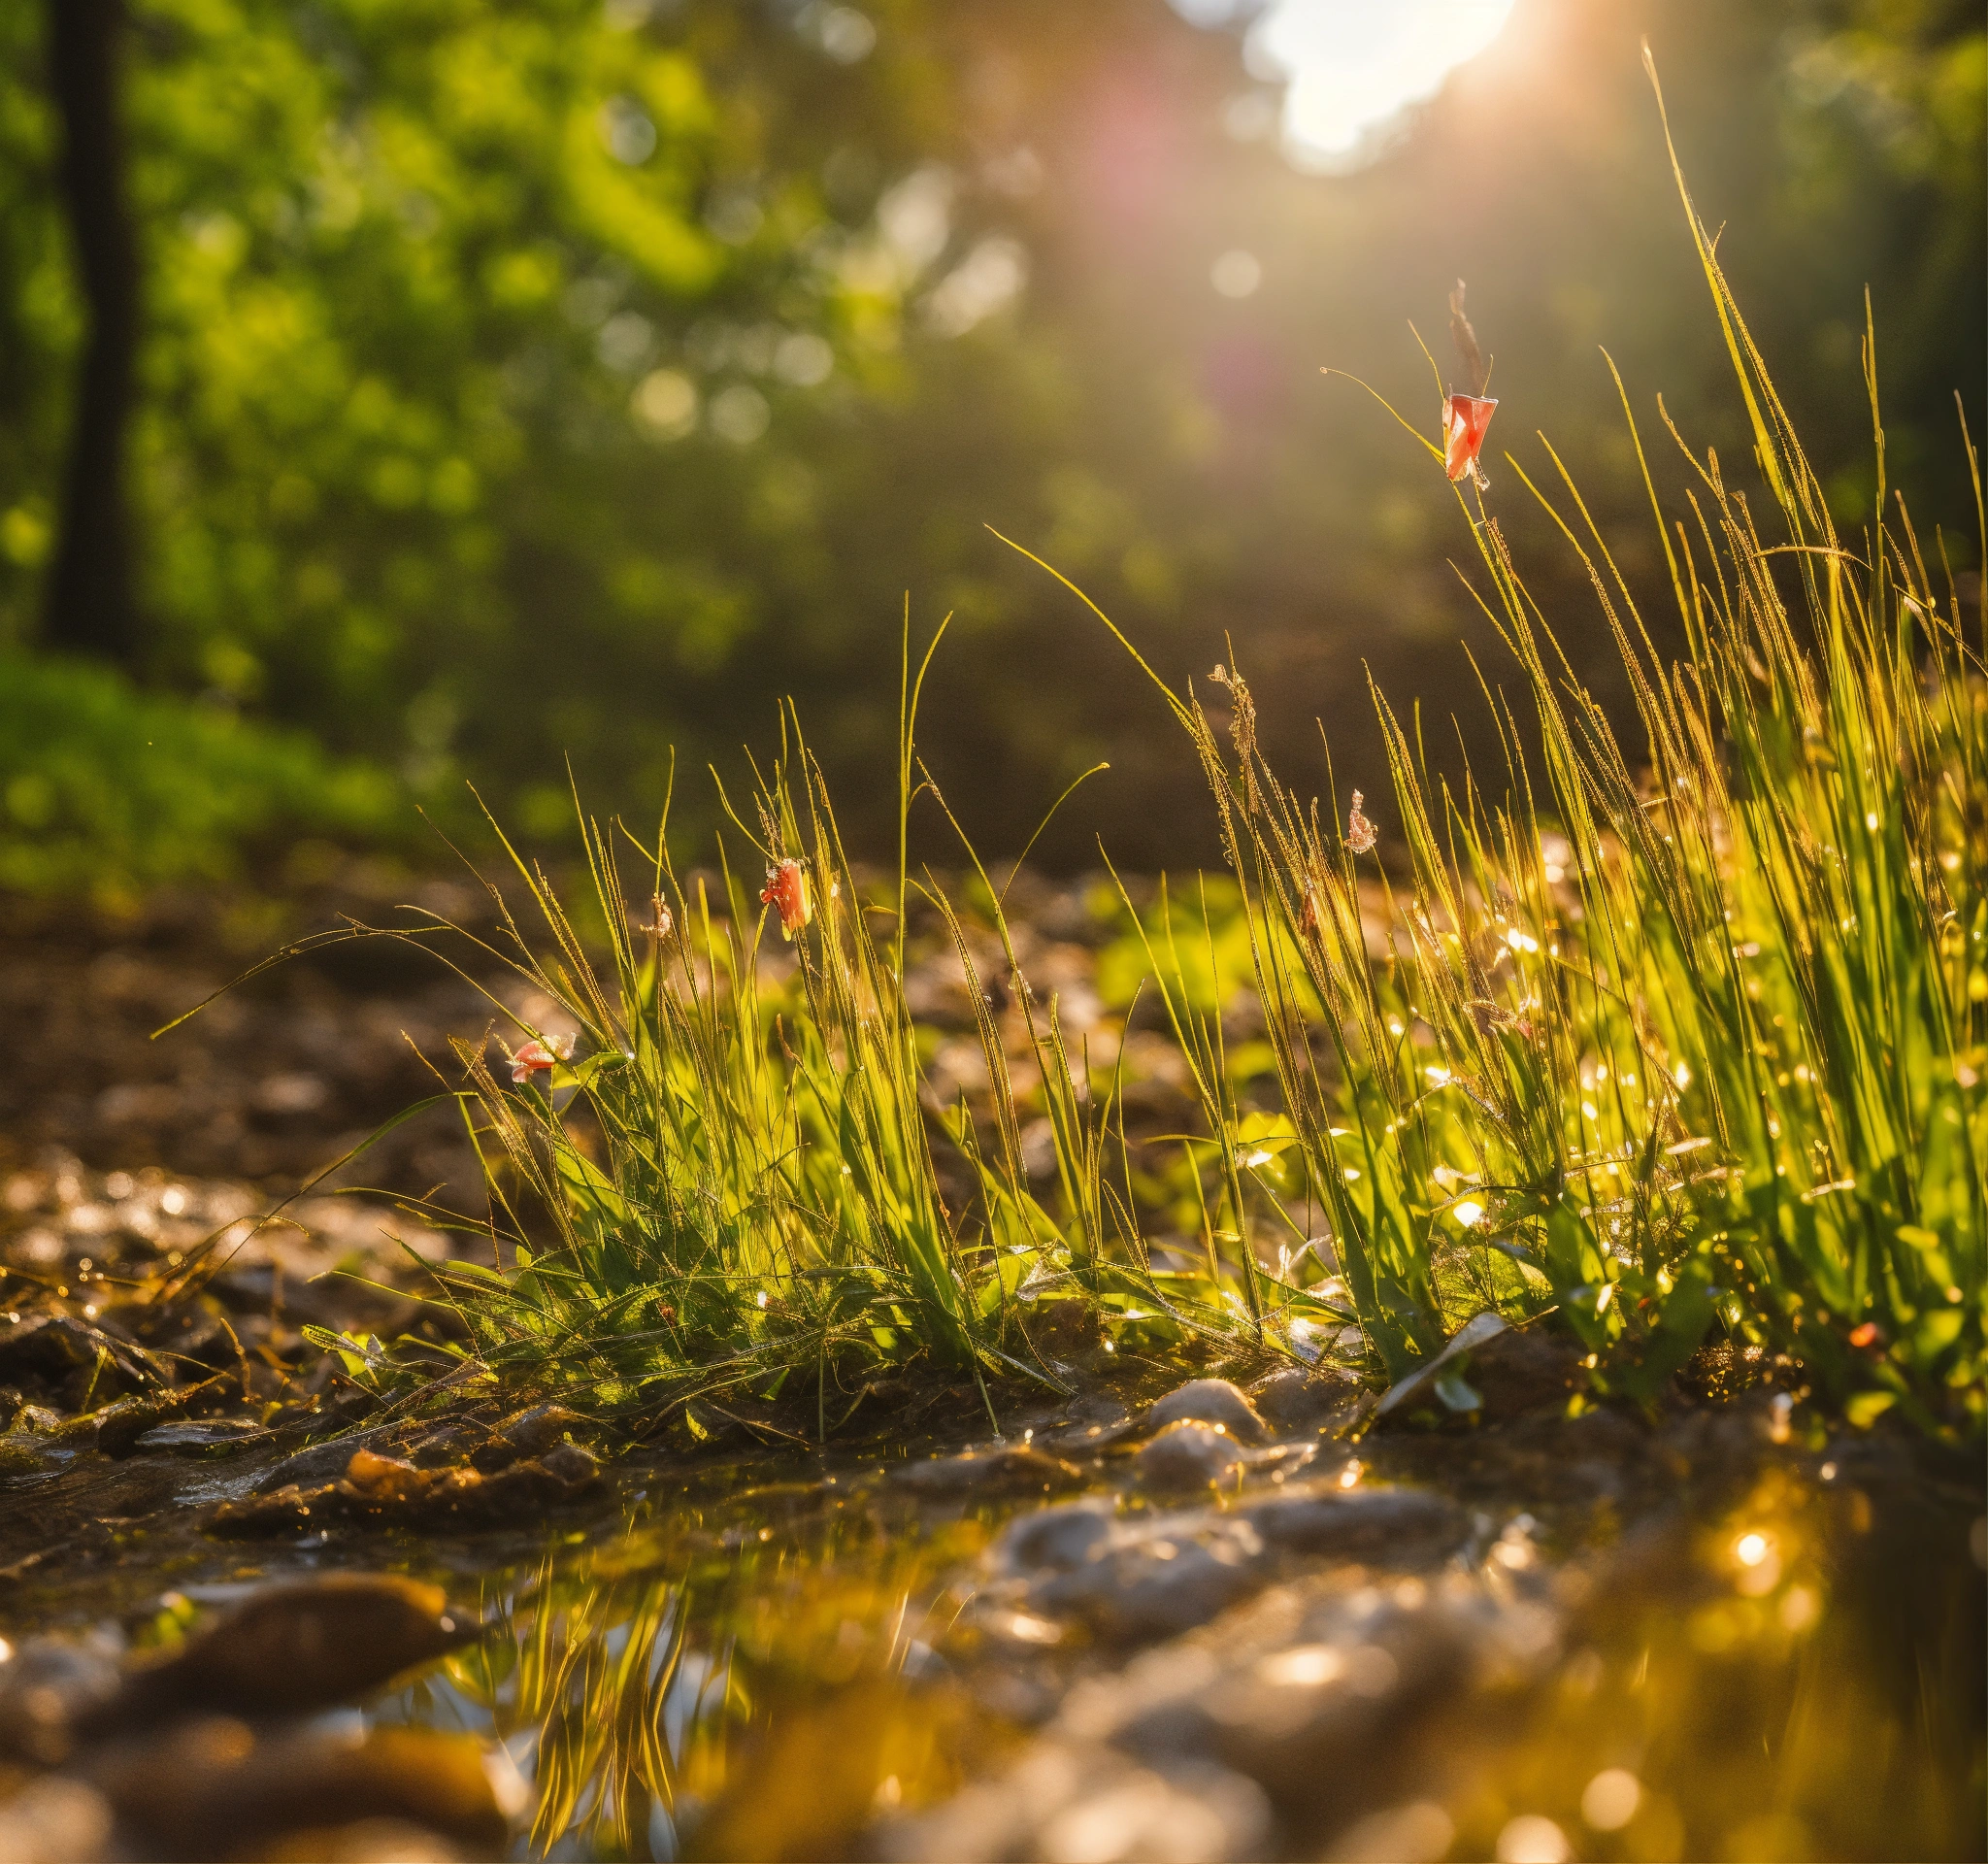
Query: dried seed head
point(1242, 729)
point(1360, 834)
point(1466, 340)
point(1489, 1015)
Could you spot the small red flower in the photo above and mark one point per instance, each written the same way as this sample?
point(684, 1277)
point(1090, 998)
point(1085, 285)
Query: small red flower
point(1466, 419)
point(1868, 1335)
point(537, 1057)
point(787, 891)
point(1360, 834)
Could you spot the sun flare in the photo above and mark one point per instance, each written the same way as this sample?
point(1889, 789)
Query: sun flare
point(1351, 65)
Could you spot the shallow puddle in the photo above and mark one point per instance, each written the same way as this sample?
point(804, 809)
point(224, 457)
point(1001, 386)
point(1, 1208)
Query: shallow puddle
point(1542, 1641)
point(632, 1674)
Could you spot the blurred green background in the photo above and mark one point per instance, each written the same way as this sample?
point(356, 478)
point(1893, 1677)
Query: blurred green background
point(524, 381)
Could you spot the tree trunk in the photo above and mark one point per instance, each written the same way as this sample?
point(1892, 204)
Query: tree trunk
point(88, 600)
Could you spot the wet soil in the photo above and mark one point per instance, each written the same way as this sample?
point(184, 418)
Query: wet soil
point(272, 1080)
point(1058, 1646)
point(251, 1612)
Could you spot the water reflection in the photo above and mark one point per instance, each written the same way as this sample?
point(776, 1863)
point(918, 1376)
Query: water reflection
point(1764, 1665)
point(629, 1679)
point(1798, 1676)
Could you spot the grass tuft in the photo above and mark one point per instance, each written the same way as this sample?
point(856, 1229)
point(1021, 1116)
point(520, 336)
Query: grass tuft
point(1670, 1035)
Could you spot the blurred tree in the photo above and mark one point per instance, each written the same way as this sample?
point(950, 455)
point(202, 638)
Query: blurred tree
point(533, 377)
point(88, 603)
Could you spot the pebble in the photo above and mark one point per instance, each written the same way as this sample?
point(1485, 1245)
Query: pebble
point(213, 1787)
point(1059, 1538)
point(289, 1509)
point(207, 1437)
point(55, 1820)
point(298, 1647)
point(1211, 1400)
point(1133, 1578)
point(120, 1425)
point(1007, 1471)
point(47, 1690)
point(382, 1491)
point(46, 1345)
point(1087, 1804)
point(1279, 1724)
point(1297, 1400)
point(533, 1432)
point(1156, 1580)
point(570, 1464)
point(1189, 1456)
point(448, 1447)
point(19, 1455)
point(383, 1480)
point(1390, 1526)
point(318, 1464)
point(1088, 1422)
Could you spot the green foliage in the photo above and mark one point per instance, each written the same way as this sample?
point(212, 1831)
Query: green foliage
point(737, 1161)
point(106, 791)
point(1642, 1059)
point(1643, 1050)
point(478, 433)
point(1649, 1045)
point(410, 274)
point(1708, 1051)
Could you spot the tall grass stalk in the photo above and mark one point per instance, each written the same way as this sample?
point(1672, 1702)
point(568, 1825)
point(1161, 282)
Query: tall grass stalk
point(1670, 1036)
point(1671, 1039)
point(730, 1180)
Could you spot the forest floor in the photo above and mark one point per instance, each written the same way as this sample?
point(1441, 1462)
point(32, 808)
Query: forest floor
point(252, 1611)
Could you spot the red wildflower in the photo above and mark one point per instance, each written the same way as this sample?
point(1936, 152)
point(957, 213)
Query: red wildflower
point(1465, 421)
point(787, 891)
point(1868, 1335)
point(537, 1057)
point(1360, 834)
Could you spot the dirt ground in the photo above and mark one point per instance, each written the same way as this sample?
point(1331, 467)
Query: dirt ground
point(270, 1082)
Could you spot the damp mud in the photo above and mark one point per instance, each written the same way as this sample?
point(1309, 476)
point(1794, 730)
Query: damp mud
point(1191, 1612)
point(1725, 1635)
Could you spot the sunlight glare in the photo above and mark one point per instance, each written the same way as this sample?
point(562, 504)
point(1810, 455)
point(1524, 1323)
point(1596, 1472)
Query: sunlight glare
point(1353, 65)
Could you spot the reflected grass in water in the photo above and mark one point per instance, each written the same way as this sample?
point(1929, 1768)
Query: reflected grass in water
point(1783, 1666)
point(707, 1660)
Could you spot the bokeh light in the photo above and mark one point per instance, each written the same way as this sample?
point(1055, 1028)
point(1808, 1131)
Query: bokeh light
point(1758, 1559)
point(1236, 274)
point(1611, 1799)
point(1532, 1839)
